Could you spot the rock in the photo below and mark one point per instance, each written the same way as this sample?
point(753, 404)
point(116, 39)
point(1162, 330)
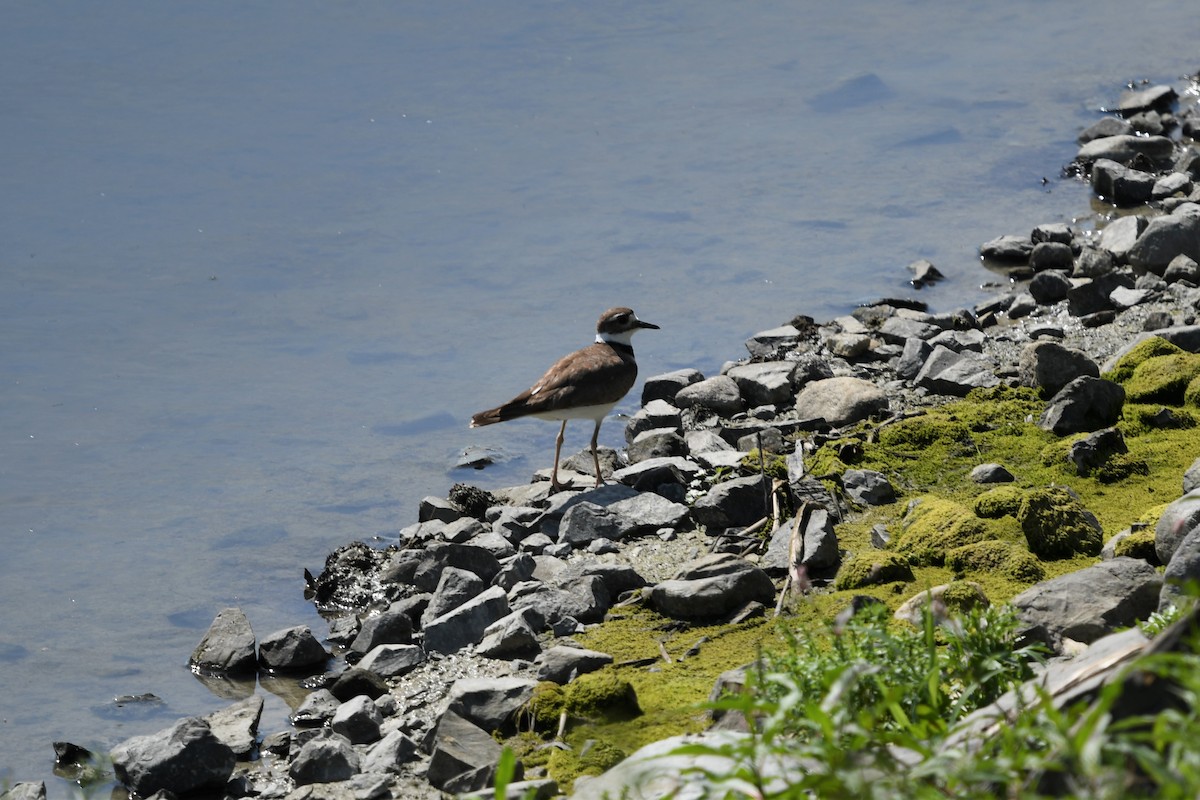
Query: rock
point(1119, 236)
point(513, 636)
point(766, 344)
point(1183, 570)
point(955, 374)
point(1049, 286)
point(916, 351)
point(514, 570)
point(958, 341)
point(642, 513)
point(1083, 405)
point(490, 703)
point(183, 758)
point(585, 599)
point(1051, 257)
point(315, 709)
point(712, 587)
point(358, 720)
point(654, 415)
point(1165, 238)
point(656, 443)
point(1176, 521)
point(292, 650)
point(1124, 298)
point(437, 508)
point(667, 385)
point(924, 273)
point(991, 473)
point(1056, 525)
point(1094, 451)
point(819, 541)
point(850, 346)
point(654, 473)
point(439, 555)
point(953, 597)
point(765, 383)
point(867, 487)
point(390, 754)
point(719, 394)
point(1182, 268)
point(236, 726)
point(1093, 262)
point(392, 660)
point(896, 329)
point(1058, 232)
point(465, 624)
point(730, 504)
point(841, 401)
point(1007, 249)
point(1049, 366)
point(1170, 185)
point(25, 790)
point(1191, 478)
point(1121, 185)
point(390, 626)
point(326, 757)
point(1106, 126)
point(227, 648)
point(356, 681)
point(1124, 148)
point(463, 757)
point(561, 663)
point(463, 530)
point(1089, 603)
point(455, 587)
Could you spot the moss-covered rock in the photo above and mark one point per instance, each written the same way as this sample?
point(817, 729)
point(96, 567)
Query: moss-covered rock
point(1191, 395)
point(1120, 466)
point(1163, 379)
point(999, 502)
point(935, 526)
point(1056, 525)
point(1154, 347)
point(1008, 559)
point(544, 708)
point(870, 569)
point(593, 758)
point(1139, 544)
point(602, 695)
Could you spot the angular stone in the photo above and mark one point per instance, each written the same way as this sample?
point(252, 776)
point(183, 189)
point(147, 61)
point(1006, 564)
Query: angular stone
point(183, 758)
point(867, 487)
point(464, 756)
point(841, 401)
point(513, 636)
point(464, 625)
point(1122, 149)
point(1007, 249)
point(1049, 286)
point(327, 757)
point(1049, 366)
point(439, 555)
point(1182, 571)
point(1096, 449)
point(733, 503)
point(765, 383)
point(585, 599)
point(455, 587)
point(1121, 185)
point(712, 587)
point(358, 680)
point(227, 648)
point(562, 663)
point(1176, 521)
point(955, 374)
point(490, 703)
point(912, 358)
point(667, 385)
point(392, 660)
point(316, 709)
point(654, 415)
point(649, 475)
point(818, 540)
point(390, 626)
point(236, 726)
point(292, 650)
point(1085, 404)
point(656, 443)
point(358, 720)
point(766, 344)
point(1165, 238)
point(720, 395)
point(390, 754)
point(991, 473)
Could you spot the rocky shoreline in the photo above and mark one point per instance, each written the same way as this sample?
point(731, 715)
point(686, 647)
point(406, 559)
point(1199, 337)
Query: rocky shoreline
point(725, 507)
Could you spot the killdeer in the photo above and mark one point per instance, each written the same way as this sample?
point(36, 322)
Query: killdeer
point(585, 384)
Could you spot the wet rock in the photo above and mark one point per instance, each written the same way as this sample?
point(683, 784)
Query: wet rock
point(227, 648)
point(667, 385)
point(1177, 520)
point(455, 587)
point(356, 681)
point(1121, 185)
point(326, 757)
point(390, 754)
point(991, 473)
point(465, 624)
point(1158, 97)
point(392, 660)
point(1049, 286)
point(712, 587)
point(561, 663)
point(867, 487)
point(292, 650)
point(733, 503)
point(183, 758)
point(765, 383)
point(955, 374)
point(924, 273)
point(236, 726)
point(463, 757)
point(390, 626)
point(841, 401)
point(1085, 404)
point(513, 636)
point(1124, 148)
point(1089, 603)
point(439, 555)
point(490, 703)
point(1051, 255)
point(1167, 237)
point(719, 394)
point(1107, 126)
point(316, 709)
point(1007, 249)
point(1049, 366)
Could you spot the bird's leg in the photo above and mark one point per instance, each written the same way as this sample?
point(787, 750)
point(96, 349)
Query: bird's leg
point(595, 456)
point(554, 484)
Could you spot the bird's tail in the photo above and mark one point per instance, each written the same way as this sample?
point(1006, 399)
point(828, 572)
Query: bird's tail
point(489, 417)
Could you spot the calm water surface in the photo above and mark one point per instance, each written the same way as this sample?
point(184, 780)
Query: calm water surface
point(260, 262)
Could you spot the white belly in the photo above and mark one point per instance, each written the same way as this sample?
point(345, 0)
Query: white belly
point(594, 413)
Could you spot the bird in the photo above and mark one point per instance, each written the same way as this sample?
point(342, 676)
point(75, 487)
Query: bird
point(585, 384)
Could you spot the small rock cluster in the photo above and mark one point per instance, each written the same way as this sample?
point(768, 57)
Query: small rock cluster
point(444, 637)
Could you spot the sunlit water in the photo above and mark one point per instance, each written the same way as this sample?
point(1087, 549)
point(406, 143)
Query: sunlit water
point(260, 262)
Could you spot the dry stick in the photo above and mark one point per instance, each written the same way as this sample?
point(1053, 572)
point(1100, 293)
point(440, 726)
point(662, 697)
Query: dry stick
point(792, 548)
point(662, 648)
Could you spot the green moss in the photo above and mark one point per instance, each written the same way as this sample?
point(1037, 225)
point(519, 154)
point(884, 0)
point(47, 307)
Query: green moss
point(1154, 347)
point(776, 466)
point(602, 695)
point(543, 709)
point(1163, 379)
point(999, 556)
point(1056, 525)
point(1120, 466)
point(593, 758)
point(1002, 501)
point(934, 526)
point(1138, 544)
point(1191, 395)
point(960, 596)
point(867, 569)
point(924, 431)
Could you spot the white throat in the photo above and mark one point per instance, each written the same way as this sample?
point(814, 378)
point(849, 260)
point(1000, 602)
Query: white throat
point(624, 337)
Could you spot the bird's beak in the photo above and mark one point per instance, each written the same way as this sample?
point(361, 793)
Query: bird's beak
point(643, 324)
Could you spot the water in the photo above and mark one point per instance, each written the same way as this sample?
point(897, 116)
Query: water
point(260, 262)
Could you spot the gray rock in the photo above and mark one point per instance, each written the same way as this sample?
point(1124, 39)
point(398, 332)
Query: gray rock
point(228, 646)
point(326, 757)
point(819, 542)
point(1124, 298)
point(655, 414)
point(316, 709)
point(766, 344)
point(1183, 570)
point(390, 754)
point(392, 660)
point(1095, 450)
point(465, 624)
point(439, 555)
point(1165, 238)
point(463, 529)
point(1122, 149)
point(656, 443)
point(706, 441)
point(585, 598)
point(236, 726)
point(1159, 96)
point(733, 503)
point(667, 385)
point(971, 339)
point(1049, 286)
point(358, 720)
point(924, 273)
point(1089, 603)
point(1119, 236)
point(867, 487)
point(356, 681)
point(463, 757)
point(712, 587)
point(1050, 255)
point(1049, 366)
point(650, 475)
point(562, 663)
point(1085, 404)
point(643, 513)
point(955, 374)
point(1107, 126)
point(1094, 261)
point(1191, 478)
point(455, 587)
point(841, 401)
point(1177, 520)
point(183, 758)
point(1175, 183)
point(850, 346)
point(514, 570)
point(765, 383)
point(1059, 232)
point(437, 508)
point(1182, 268)
point(292, 650)
point(561, 503)
point(912, 358)
point(896, 329)
point(490, 703)
point(25, 790)
point(390, 626)
point(1007, 249)
point(719, 394)
point(513, 636)
point(1121, 185)
point(991, 473)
